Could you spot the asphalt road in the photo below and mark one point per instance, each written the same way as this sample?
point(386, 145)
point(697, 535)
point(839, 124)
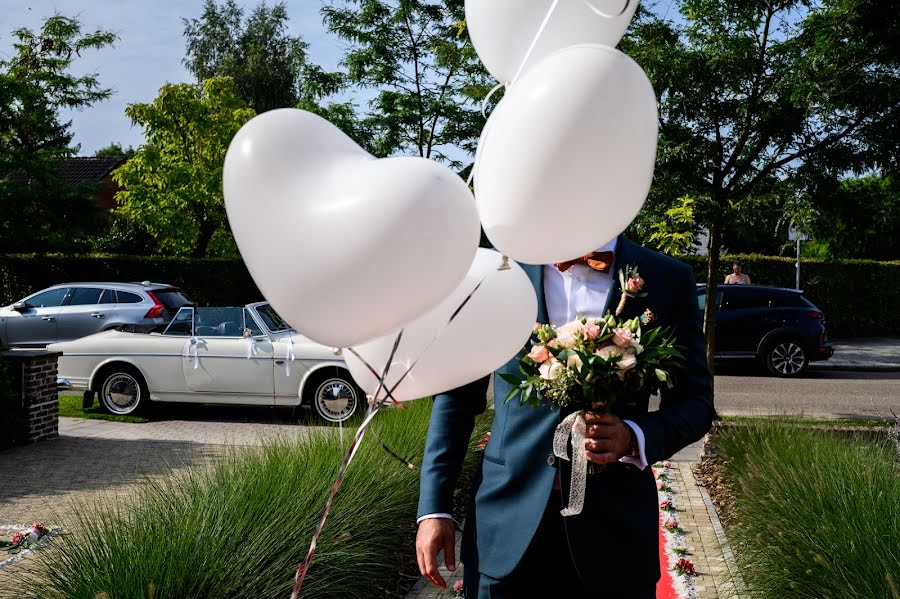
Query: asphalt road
point(819, 394)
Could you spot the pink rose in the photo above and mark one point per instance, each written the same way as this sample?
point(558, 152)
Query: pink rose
point(623, 337)
point(634, 284)
point(536, 326)
point(667, 464)
point(539, 354)
point(660, 485)
point(591, 331)
point(458, 586)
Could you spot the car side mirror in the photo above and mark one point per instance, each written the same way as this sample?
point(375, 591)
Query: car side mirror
point(21, 306)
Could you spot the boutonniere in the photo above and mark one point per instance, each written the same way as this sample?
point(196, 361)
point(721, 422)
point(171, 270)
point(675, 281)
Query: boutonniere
point(632, 285)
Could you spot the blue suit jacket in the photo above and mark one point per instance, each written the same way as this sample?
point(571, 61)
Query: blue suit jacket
point(617, 531)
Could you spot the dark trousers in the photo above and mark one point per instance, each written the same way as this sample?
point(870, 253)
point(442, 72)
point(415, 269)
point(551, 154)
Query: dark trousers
point(547, 569)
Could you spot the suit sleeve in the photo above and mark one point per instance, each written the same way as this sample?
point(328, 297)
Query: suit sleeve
point(452, 420)
point(686, 412)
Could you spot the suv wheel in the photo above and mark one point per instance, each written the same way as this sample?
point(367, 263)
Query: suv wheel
point(786, 358)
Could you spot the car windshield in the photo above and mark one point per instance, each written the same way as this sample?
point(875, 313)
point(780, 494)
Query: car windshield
point(271, 319)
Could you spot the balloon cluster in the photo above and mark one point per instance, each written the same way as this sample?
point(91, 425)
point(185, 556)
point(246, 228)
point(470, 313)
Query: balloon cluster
point(352, 250)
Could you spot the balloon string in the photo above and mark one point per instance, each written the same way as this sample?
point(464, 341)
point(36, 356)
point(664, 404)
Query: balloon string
point(373, 409)
point(487, 98)
point(606, 15)
point(300, 576)
point(537, 37)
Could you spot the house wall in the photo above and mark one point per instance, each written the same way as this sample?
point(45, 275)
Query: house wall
point(106, 194)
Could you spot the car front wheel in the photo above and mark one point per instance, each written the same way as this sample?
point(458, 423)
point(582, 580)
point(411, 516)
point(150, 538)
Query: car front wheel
point(123, 392)
point(786, 358)
point(336, 398)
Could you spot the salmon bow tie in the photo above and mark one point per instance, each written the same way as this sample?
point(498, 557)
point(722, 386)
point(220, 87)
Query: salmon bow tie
point(600, 261)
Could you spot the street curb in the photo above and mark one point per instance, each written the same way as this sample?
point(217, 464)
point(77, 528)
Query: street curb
point(855, 367)
point(733, 570)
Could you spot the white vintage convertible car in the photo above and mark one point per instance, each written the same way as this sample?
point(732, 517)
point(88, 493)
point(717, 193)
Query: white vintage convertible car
point(244, 355)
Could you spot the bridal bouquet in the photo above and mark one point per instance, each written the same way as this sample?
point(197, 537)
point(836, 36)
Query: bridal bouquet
point(592, 363)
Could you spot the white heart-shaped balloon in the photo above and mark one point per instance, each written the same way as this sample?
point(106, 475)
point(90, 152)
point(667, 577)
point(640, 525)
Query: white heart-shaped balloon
point(567, 157)
point(492, 327)
point(502, 31)
point(345, 247)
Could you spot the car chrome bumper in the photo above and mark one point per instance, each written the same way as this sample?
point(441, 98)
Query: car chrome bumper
point(63, 384)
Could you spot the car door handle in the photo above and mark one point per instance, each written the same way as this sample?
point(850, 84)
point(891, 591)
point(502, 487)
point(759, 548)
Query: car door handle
point(96, 315)
point(279, 362)
point(48, 318)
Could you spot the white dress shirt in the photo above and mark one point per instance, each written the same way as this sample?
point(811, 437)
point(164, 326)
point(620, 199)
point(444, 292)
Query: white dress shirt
point(580, 291)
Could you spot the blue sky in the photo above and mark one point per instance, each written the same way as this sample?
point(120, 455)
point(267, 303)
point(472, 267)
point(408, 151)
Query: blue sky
point(149, 52)
point(147, 55)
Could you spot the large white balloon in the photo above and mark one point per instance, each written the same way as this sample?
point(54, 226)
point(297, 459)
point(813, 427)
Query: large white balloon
point(489, 330)
point(502, 31)
point(344, 246)
point(566, 159)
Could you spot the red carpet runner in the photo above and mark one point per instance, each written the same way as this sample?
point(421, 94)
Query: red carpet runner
point(665, 588)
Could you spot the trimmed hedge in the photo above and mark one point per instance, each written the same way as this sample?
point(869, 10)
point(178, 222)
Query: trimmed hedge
point(208, 281)
point(858, 296)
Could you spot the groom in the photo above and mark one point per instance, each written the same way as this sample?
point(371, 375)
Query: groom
point(516, 544)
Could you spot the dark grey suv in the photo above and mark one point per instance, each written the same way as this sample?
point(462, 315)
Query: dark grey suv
point(779, 327)
point(73, 310)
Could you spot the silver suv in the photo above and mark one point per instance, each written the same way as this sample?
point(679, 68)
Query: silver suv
point(73, 310)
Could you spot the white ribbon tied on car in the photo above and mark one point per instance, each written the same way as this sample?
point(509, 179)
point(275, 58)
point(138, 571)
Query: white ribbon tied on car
point(191, 350)
point(573, 428)
point(251, 347)
point(289, 355)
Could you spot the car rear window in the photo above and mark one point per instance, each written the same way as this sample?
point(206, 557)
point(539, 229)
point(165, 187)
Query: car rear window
point(791, 300)
point(109, 297)
point(740, 298)
point(173, 299)
point(85, 296)
point(129, 298)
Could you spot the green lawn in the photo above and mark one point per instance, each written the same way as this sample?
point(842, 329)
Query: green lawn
point(70, 406)
point(814, 515)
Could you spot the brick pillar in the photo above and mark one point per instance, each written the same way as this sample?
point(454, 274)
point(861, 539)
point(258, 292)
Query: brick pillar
point(38, 416)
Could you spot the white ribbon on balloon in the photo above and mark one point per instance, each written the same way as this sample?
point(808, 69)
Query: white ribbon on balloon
point(191, 350)
point(573, 428)
point(289, 355)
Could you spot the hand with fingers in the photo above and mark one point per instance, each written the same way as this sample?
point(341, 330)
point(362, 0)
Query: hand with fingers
point(607, 438)
point(433, 535)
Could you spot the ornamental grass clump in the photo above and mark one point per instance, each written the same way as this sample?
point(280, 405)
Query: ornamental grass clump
point(815, 514)
point(240, 526)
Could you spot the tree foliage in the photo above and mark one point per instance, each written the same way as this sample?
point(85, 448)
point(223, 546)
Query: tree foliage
point(414, 62)
point(269, 67)
point(39, 210)
point(115, 150)
point(172, 187)
point(759, 95)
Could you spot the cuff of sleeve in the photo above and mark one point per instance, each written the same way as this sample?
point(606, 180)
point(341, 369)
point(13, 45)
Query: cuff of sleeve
point(437, 515)
point(641, 461)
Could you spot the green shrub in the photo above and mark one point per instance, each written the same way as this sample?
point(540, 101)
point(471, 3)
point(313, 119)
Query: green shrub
point(241, 526)
point(858, 296)
point(815, 515)
point(209, 281)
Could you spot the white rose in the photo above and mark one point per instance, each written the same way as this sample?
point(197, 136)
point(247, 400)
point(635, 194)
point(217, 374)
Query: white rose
point(608, 351)
point(628, 361)
point(551, 370)
point(567, 340)
point(575, 362)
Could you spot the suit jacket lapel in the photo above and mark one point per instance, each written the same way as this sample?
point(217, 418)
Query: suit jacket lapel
point(624, 257)
point(535, 272)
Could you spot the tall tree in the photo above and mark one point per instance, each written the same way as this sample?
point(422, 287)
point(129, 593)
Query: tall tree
point(115, 149)
point(758, 94)
point(419, 72)
point(40, 212)
point(269, 67)
point(172, 187)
